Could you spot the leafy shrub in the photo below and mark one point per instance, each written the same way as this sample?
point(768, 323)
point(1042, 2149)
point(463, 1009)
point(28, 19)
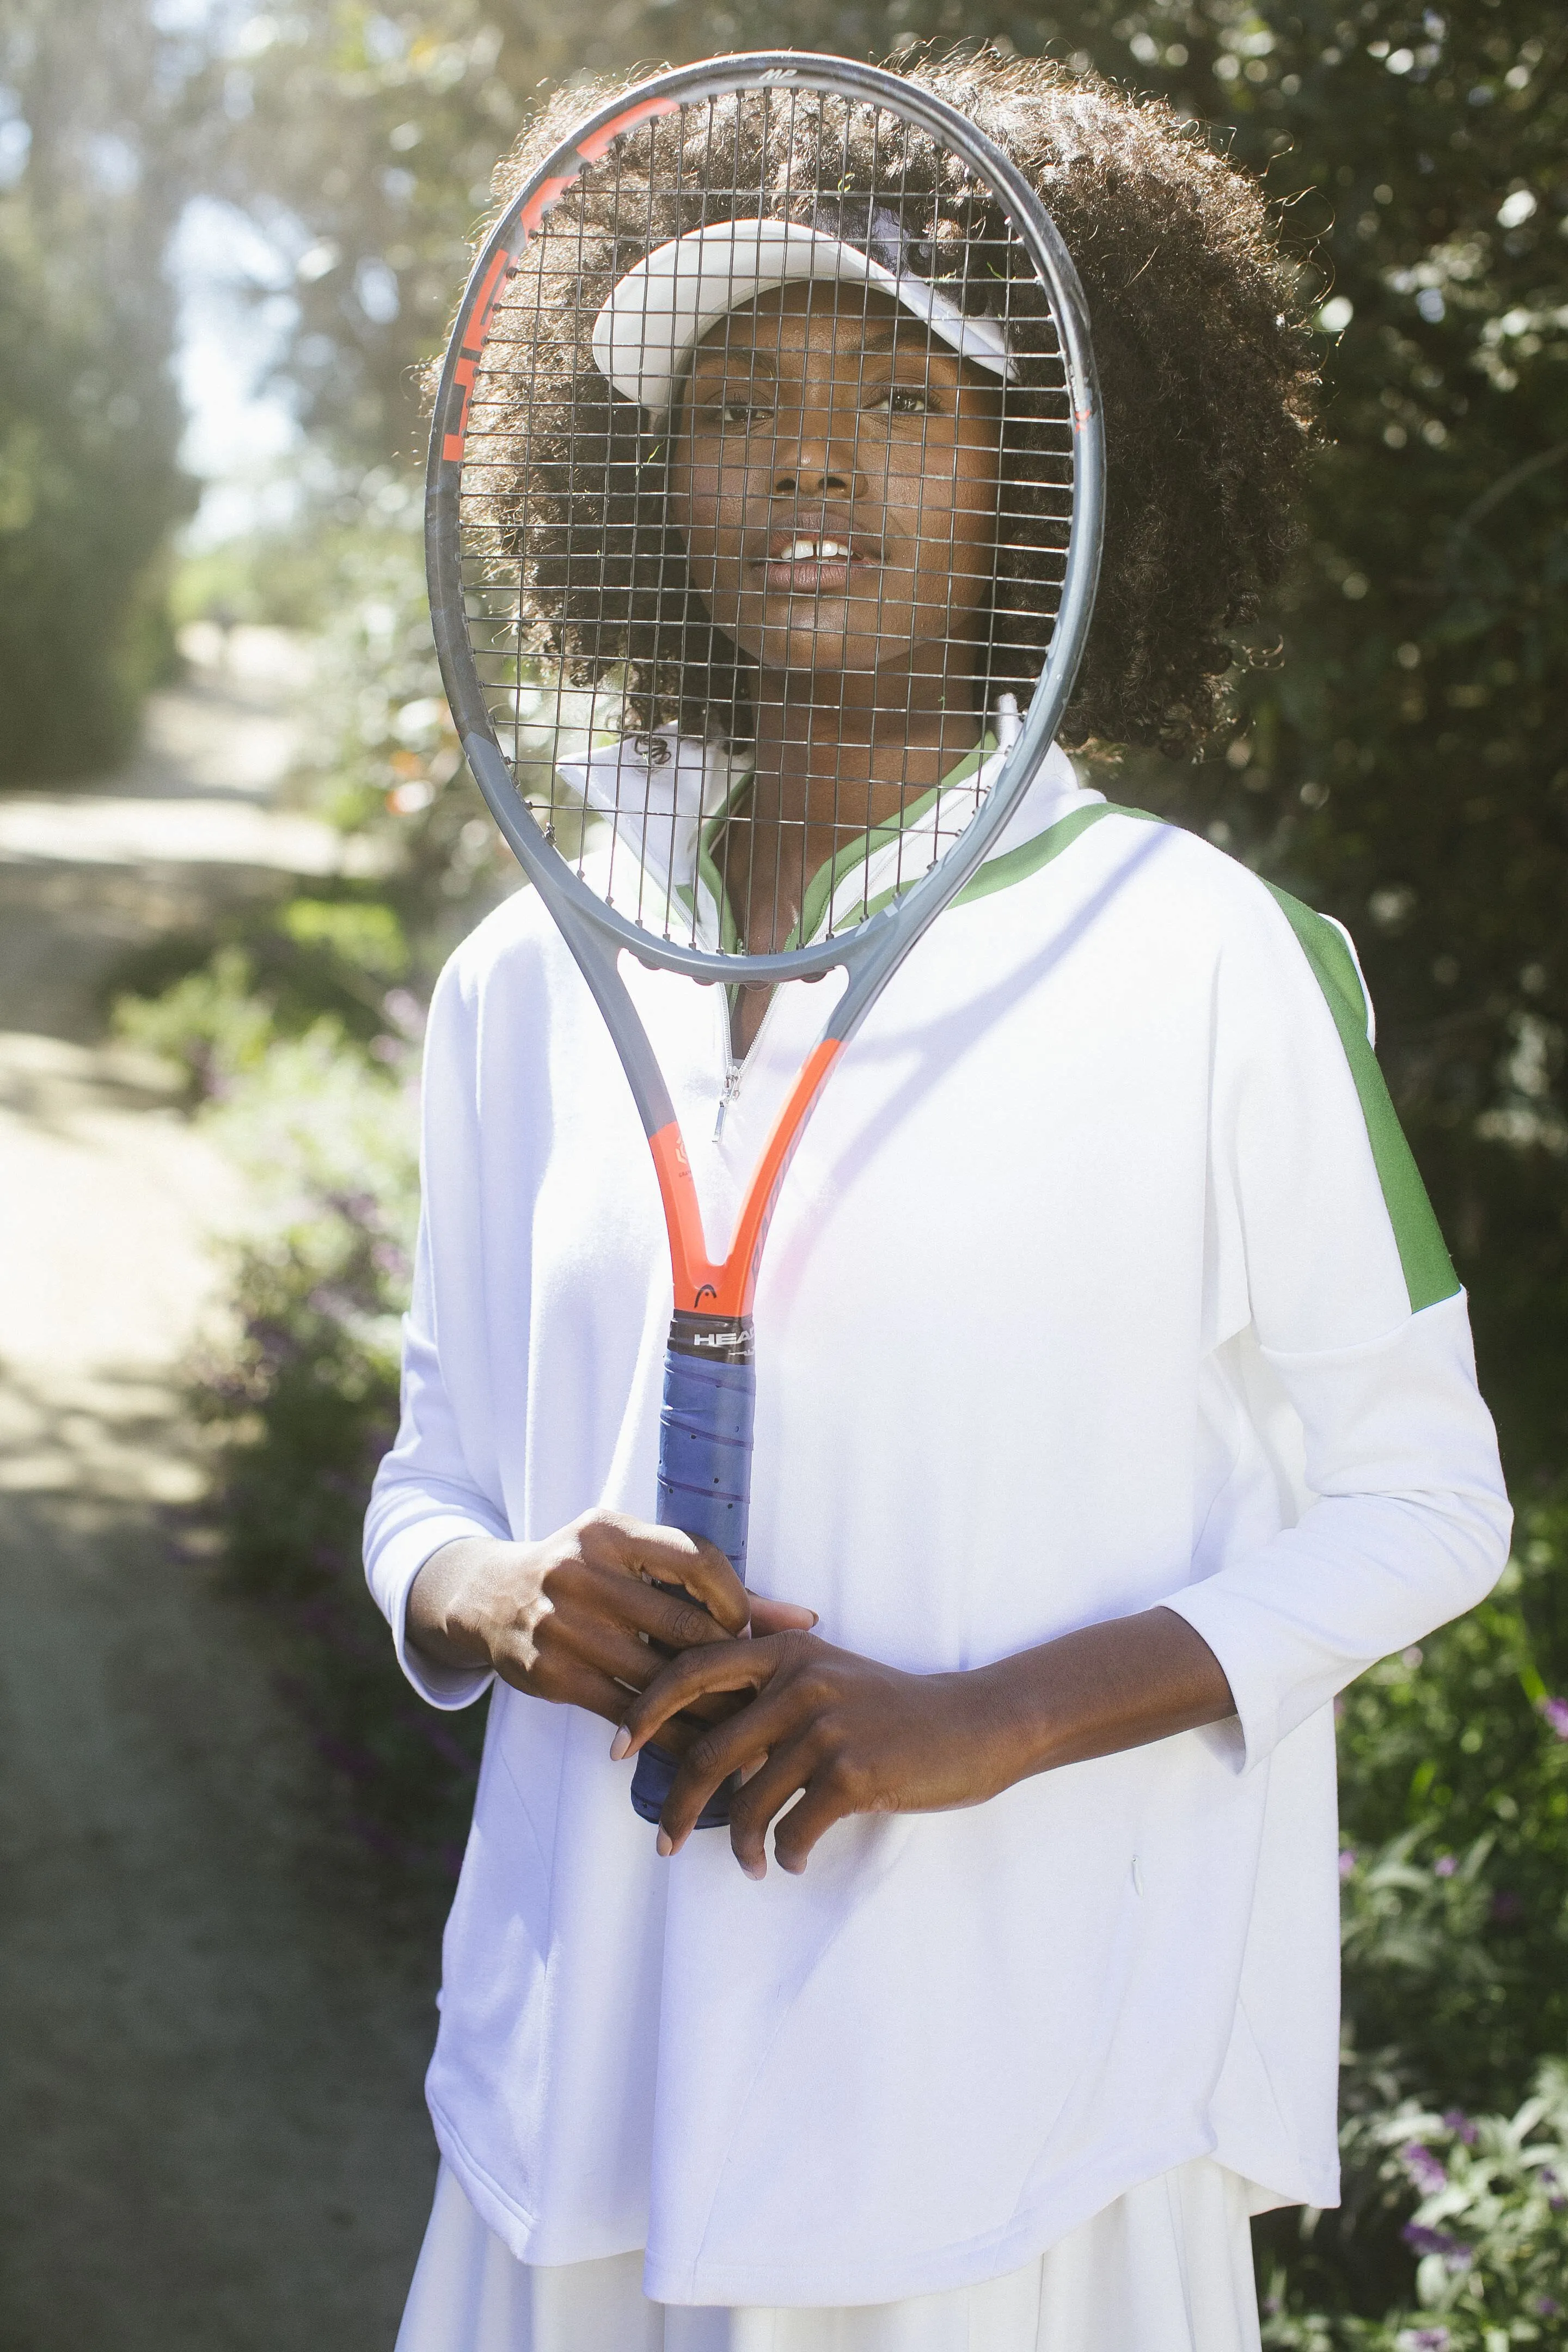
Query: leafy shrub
point(1454, 1758)
point(1454, 1792)
point(1489, 2232)
point(303, 1402)
point(296, 1034)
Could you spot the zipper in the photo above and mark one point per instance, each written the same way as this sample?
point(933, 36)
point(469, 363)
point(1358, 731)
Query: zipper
point(734, 1071)
point(729, 1090)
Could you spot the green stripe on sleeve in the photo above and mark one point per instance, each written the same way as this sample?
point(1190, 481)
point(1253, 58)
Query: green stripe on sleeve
point(1429, 1270)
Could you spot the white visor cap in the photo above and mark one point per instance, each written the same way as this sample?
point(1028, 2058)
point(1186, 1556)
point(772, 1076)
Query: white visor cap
point(667, 304)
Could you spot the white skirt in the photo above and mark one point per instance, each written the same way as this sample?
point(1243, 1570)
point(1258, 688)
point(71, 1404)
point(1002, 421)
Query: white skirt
point(1166, 2268)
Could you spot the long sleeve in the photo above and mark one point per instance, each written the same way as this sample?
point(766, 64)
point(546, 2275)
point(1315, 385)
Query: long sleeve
point(1321, 1224)
point(427, 1493)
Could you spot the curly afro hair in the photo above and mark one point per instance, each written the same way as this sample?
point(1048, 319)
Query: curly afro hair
point(1204, 366)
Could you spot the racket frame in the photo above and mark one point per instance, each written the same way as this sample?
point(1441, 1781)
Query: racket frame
point(595, 933)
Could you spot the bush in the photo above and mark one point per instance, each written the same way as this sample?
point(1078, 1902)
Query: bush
point(304, 1401)
point(1489, 2232)
point(1453, 1776)
point(296, 1032)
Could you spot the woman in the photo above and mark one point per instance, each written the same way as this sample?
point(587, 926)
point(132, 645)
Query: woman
point(1118, 1406)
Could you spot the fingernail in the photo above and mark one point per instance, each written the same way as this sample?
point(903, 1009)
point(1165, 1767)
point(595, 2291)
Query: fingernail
point(755, 1869)
point(815, 1618)
point(619, 1744)
point(664, 1843)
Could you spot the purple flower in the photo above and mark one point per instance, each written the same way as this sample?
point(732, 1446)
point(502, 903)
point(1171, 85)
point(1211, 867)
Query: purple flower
point(1347, 1861)
point(1445, 1866)
point(1555, 1710)
point(1423, 2167)
point(1424, 2339)
point(1547, 2305)
point(1455, 2252)
point(1457, 2121)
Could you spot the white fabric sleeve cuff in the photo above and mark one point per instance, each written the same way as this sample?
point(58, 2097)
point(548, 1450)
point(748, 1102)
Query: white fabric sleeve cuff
point(1255, 1728)
point(1409, 1528)
point(398, 1562)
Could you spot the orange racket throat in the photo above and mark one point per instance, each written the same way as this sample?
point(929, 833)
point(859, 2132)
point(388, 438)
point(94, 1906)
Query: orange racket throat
point(703, 1286)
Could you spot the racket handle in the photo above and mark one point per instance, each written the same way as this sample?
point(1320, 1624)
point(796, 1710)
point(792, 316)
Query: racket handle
point(704, 1483)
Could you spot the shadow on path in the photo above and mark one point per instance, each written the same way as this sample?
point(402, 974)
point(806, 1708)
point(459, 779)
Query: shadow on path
point(211, 2137)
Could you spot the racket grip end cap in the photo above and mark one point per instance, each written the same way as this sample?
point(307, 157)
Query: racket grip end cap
point(652, 1782)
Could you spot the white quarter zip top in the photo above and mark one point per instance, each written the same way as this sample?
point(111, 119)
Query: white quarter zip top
point(1102, 1278)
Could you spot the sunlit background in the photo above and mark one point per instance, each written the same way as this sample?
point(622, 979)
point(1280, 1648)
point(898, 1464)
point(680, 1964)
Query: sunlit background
point(235, 843)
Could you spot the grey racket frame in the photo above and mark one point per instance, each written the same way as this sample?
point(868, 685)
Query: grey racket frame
point(871, 952)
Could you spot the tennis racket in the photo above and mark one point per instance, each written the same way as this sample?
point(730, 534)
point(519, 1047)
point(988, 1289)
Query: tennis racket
point(762, 527)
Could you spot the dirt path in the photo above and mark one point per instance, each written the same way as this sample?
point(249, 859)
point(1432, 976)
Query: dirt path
point(211, 2137)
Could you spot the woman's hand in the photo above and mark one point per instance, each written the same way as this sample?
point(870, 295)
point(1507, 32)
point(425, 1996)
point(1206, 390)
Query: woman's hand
point(845, 1735)
point(566, 1619)
point(855, 1735)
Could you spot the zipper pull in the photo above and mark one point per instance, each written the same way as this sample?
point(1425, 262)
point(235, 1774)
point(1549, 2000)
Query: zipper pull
point(730, 1093)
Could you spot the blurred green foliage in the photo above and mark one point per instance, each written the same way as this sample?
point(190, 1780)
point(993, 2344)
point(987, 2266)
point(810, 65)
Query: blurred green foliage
point(90, 488)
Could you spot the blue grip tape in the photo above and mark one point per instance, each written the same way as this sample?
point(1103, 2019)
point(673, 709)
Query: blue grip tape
point(705, 1489)
point(705, 1452)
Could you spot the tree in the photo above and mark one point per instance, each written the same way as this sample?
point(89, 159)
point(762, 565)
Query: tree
point(89, 423)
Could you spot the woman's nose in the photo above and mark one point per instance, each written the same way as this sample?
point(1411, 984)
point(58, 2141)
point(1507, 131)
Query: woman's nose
point(817, 467)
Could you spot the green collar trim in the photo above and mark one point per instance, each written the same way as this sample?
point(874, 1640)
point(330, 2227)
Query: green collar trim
point(1017, 865)
point(826, 880)
point(995, 874)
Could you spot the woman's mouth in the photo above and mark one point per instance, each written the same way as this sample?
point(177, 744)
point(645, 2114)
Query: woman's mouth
point(813, 563)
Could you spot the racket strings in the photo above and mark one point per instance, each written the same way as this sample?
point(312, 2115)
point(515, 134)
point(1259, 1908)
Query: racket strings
point(645, 736)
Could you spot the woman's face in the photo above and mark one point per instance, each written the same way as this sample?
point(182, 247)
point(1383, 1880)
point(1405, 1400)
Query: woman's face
point(835, 475)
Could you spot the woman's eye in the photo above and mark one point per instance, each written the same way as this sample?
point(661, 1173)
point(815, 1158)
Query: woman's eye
point(741, 416)
point(906, 400)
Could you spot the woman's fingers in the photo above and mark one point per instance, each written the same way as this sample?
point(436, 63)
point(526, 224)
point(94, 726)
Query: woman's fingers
point(745, 1741)
point(780, 1616)
point(754, 1805)
point(669, 1617)
point(825, 1801)
point(697, 1674)
point(636, 1547)
point(577, 1684)
point(598, 1642)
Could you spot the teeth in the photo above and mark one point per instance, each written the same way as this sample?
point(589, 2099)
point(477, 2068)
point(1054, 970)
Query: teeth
point(799, 549)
